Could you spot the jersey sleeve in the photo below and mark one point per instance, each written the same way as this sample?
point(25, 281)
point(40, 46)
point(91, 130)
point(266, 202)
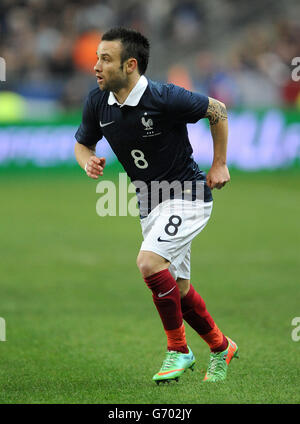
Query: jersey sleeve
point(184, 105)
point(89, 131)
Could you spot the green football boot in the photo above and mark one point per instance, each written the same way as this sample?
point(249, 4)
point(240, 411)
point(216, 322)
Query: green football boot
point(175, 364)
point(219, 361)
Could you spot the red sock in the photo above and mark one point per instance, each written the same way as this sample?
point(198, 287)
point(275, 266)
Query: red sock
point(197, 316)
point(176, 339)
point(215, 340)
point(166, 298)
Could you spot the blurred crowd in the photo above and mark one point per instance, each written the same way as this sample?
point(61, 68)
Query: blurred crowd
point(214, 47)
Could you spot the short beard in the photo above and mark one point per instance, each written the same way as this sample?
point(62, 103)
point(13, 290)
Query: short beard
point(116, 85)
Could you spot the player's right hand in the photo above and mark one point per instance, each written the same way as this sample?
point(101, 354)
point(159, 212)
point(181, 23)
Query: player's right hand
point(94, 167)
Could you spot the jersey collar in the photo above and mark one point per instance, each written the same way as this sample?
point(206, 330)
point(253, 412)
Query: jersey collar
point(134, 96)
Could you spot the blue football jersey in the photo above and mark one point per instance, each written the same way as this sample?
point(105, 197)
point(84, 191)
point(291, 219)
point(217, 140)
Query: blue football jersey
point(150, 139)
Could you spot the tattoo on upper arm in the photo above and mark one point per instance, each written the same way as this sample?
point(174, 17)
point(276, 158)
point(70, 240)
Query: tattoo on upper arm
point(215, 112)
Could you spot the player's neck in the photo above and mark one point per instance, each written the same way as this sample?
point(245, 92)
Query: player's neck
point(122, 94)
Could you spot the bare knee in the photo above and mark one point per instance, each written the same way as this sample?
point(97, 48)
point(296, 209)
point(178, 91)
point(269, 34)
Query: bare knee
point(183, 286)
point(149, 263)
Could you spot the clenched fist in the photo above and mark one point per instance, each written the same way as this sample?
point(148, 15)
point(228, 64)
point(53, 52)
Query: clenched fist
point(217, 176)
point(94, 167)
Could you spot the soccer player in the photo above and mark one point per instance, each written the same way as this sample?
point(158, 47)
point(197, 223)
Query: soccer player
point(145, 124)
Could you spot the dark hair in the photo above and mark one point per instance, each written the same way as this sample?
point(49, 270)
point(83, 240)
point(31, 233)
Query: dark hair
point(134, 45)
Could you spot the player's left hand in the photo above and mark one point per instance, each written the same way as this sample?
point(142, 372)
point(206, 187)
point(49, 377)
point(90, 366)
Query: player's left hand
point(217, 176)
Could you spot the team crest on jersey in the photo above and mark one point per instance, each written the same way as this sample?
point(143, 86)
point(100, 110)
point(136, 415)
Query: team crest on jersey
point(148, 126)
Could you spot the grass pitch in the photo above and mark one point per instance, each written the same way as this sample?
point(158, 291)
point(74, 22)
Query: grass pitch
point(80, 323)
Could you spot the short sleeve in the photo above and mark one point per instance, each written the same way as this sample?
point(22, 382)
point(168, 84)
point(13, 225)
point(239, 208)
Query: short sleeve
point(184, 105)
point(89, 131)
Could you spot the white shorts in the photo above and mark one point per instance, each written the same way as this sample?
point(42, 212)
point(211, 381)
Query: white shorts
point(170, 228)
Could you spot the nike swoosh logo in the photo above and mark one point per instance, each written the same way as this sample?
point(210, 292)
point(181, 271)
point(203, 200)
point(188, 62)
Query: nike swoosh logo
point(159, 239)
point(168, 372)
point(106, 123)
point(165, 294)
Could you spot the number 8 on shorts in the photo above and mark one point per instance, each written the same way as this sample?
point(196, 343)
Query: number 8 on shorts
point(172, 227)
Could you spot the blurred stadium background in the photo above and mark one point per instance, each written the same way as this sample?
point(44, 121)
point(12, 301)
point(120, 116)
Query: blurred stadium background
point(240, 55)
point(57, 281)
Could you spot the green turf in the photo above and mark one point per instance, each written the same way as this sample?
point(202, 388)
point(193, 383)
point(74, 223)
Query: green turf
point(80, 323)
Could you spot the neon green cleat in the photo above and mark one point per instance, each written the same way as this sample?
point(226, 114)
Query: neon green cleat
point(219, 361)
point(175, 364)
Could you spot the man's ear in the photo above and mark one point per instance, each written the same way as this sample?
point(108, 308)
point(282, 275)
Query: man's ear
point(131, 65)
